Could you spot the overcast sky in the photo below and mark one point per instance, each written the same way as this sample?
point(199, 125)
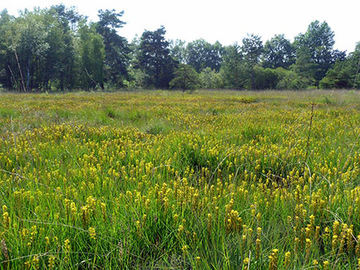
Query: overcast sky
point(227, 21)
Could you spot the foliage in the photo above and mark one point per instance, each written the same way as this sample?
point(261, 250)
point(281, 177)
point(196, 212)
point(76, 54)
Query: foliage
point(202, 54)
point(92, 52)
point(344, 74)
point(57, 49)
point(314, 49)
point(288, 79)
point(138, 79)
point(154, 58)
point(338, 77)
point(62, 51)
point(29, 45)
point(252, 50)
point(186, 78)
point(178, 50)
point(5, 72)
point(210, 79)
point(233, 68)
point(116, 60)
point(278, 52)
point(265, 78)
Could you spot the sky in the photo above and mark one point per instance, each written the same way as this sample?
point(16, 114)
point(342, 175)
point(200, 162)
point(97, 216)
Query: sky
point(226, 21)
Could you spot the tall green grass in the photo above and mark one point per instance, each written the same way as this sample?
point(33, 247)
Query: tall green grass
point(165, 180)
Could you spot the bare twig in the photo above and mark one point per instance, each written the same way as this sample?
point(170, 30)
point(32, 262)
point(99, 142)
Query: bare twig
point(14, 79)
point(87, 73)
point(20, 71)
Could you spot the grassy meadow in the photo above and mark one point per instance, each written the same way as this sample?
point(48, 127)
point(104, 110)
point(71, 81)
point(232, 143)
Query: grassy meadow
point(166, 180)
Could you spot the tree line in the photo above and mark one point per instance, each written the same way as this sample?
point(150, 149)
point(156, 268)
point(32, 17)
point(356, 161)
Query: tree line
point(58, 49)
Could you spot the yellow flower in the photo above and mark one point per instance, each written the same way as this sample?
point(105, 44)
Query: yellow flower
point(51, 262)
point(326, 265)
point(67, 246)
point(185, 249)
point(92, 233)
point(181, 228)
point(287, 258)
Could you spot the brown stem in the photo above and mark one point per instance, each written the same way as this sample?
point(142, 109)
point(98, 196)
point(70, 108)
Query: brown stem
point(21, 75)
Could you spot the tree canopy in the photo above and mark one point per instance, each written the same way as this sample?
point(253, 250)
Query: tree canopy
point(58, 49)
point(154, 58)
point(278, 52)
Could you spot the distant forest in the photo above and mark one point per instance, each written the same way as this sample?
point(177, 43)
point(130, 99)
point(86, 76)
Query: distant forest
point(58, 49)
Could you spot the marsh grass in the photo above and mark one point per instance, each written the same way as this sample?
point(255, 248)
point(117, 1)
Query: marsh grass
point(159, 180)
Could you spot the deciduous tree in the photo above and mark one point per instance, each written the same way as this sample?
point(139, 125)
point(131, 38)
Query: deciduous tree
point(314, 51)
point(186, 78)
point(92, 53)
point(201, 54)
point(278, 52)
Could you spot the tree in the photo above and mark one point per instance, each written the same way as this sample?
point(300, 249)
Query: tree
point(304, 66)
point(278, 52)
point(116, 47)
point(59, 70)
point(340, 76)
point(92, 52)
point(39, 48)
point(355, 60)
point(6, 77)
point(289, 79)
point(344, 73)
point(186, 78)
point(265, 78)
point(233, 68)
point(210, 79)
point(252, 49)
point(314, 51)
point(178, 50)
point(69, 17)
point(29, 46)
point(154, 59)
point(202, 54)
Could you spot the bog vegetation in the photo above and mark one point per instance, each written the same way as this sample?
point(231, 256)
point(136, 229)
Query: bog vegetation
point(212, 180)
point(58, 49)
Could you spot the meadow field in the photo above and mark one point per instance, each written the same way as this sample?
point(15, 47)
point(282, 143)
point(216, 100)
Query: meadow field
point(171, 180)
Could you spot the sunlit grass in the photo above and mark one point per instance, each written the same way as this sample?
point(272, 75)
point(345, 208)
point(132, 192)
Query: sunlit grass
point(208, 180)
